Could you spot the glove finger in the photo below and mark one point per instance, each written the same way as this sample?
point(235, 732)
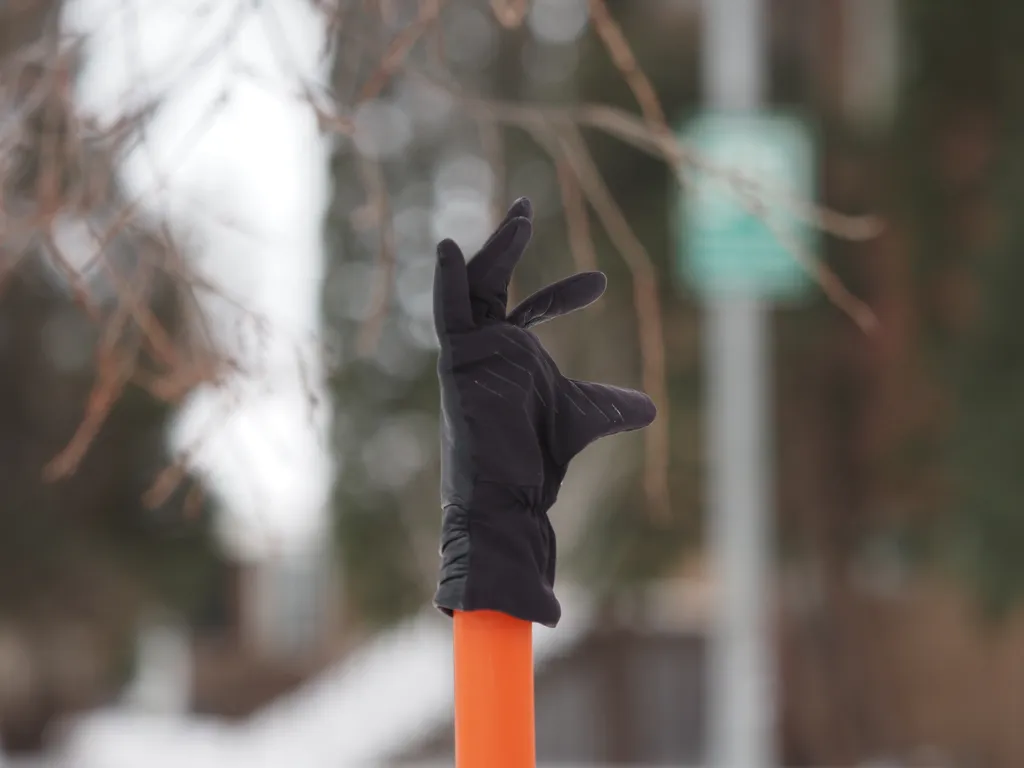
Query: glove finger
point(492, 249)
point(559, 298)
point(588, 411)
point(490, 271)
point(452, 309)
point(521, 208)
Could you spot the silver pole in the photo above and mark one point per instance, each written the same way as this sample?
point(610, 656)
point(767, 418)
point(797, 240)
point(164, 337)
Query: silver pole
point(742, 724)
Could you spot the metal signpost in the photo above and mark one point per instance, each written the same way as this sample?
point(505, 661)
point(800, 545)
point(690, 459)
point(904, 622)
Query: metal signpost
point(738, 263)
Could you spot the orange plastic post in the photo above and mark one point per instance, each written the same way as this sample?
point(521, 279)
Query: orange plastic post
point(494, 716)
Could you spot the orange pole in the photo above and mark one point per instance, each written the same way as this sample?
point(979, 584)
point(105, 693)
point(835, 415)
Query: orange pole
point(494, 718)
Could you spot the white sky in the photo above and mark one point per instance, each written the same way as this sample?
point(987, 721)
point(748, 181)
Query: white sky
point(235, 163)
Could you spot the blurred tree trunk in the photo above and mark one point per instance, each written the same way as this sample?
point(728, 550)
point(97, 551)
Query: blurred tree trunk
point(881, 438)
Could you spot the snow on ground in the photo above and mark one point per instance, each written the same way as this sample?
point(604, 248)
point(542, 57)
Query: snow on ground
point(380, 699)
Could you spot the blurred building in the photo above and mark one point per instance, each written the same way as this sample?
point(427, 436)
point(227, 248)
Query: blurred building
point(281, 628)
point(628, 691)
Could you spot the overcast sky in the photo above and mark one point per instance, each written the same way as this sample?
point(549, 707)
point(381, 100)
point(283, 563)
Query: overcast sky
point(235, 163)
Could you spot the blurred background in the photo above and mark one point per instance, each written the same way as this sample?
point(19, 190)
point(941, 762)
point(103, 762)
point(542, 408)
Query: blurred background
point(218, 403)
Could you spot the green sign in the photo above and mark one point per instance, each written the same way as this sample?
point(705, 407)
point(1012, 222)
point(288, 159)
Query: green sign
point(724, 248)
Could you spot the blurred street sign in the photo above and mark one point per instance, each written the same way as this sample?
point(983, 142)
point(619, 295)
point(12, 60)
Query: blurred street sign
point(724, 248)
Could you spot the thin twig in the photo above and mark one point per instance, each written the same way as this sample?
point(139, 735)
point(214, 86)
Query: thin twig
point(625, 61)
point(400, 47)
point(635, 132)
point(494, 150)
point(581, 242)
point(114, 367)
point(379, 209)
point(577, 222)
point(647, 304)
point(510, 13)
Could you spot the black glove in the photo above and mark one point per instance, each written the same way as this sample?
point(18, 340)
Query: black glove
point(511, 424)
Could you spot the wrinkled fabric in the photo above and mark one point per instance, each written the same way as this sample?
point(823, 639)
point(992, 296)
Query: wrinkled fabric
point(511, 423)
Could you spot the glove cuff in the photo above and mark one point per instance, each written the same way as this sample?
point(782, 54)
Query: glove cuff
point(498, 555)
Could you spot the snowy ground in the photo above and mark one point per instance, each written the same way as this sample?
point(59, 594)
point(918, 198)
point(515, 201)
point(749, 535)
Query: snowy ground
point(381, 698)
